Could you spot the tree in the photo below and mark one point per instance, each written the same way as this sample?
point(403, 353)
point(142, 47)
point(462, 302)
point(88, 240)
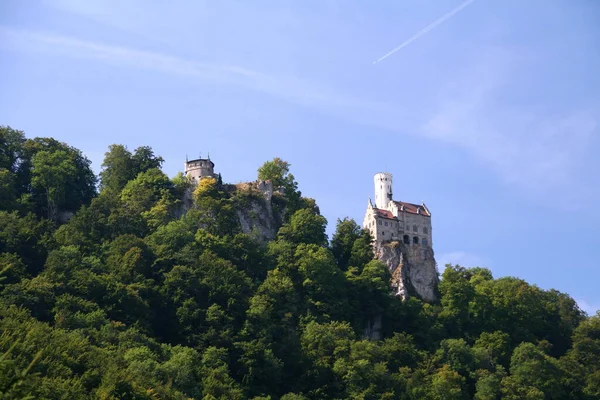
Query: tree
point(120, 166)
point(322, 282)
point(369, 292)
point(45, 172)
point(278, 172)
point(144, 159)
point(346, 233)
point(213, 208)
point(13, 169)
point(322, 344)
point(446, 384)
point(532, 372)
point(51, 175)
point(25, 237)
point(117, 168)
point(488, 386)
point(216, 381)
point(8, 190)
point(305, 227)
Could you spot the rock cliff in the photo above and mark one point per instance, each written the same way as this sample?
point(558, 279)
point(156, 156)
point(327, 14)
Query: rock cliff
point(257, 205)
point(255, 209)
point(413, 269)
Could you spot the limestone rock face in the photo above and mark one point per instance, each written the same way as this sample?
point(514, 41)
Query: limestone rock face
point(255, 213)
point(413, 269)
point(257, 218)
point(254, 208)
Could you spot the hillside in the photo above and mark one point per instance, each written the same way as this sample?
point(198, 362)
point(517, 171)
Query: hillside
point(134, 285)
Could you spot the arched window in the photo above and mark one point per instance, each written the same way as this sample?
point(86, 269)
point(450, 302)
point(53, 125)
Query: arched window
point(415, 240)
point(415, 229)
point(424, 241)
point(406, 239)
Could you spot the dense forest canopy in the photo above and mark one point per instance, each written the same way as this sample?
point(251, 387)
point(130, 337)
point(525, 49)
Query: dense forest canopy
point(111, 289)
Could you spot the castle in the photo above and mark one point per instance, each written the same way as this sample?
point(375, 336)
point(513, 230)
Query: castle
point(402, 241)
point(199, 168)
point(391, 220)
point(401, 231)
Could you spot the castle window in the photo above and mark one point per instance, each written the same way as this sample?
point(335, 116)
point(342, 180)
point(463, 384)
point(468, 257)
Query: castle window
point(406, 239)
point(379, 222)
point(415, 229)
point(415, 240)
point(424, 241)
point(424, 229)
point(386, 224)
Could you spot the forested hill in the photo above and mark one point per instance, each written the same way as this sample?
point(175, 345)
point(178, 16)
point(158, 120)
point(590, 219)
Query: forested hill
point(138, 297)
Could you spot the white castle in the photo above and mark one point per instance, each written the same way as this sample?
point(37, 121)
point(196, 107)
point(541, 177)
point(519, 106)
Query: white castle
point(390, 220)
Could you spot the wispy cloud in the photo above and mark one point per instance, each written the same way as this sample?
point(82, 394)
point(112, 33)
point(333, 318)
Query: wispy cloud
point(532, 150)
point(428, 28)
point(297, 90)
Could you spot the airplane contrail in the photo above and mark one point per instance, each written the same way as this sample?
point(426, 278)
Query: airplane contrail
point(423, 31)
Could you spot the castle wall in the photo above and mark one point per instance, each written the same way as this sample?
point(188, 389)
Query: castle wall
point(198, 169)
point(383, 229)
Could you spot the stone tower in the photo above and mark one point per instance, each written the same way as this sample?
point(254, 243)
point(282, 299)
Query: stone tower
point(198, 169)
point(383, 189)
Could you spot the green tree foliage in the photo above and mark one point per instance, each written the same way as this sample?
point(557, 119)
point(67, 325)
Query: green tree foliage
point(51, 173)
point(120, 166)
point(42, 175)
point(213, 208)
point(13, 172)
point(60, 176)
point(137, 297)
point(278, 172)
point(351, 245)
point(305, 226)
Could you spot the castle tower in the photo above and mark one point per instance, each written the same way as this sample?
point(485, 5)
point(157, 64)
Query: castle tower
point(198, 169)
point(383, 189)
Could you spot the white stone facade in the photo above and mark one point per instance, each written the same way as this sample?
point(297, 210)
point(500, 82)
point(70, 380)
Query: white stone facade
point(390, 220)
point(383, 189)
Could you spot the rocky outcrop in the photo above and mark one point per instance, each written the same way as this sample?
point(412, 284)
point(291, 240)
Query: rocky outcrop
point(257, 218)
point(413, 269)
point(254, 205)
point(254, 209)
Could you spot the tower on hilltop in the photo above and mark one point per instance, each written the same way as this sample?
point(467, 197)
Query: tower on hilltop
point(383, 189)
point(198, 169)
point(402, 235)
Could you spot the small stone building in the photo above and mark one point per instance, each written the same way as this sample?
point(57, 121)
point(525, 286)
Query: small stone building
point(198, 169)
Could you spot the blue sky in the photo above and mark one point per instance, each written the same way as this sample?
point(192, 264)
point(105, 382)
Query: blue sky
point(491, 118)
